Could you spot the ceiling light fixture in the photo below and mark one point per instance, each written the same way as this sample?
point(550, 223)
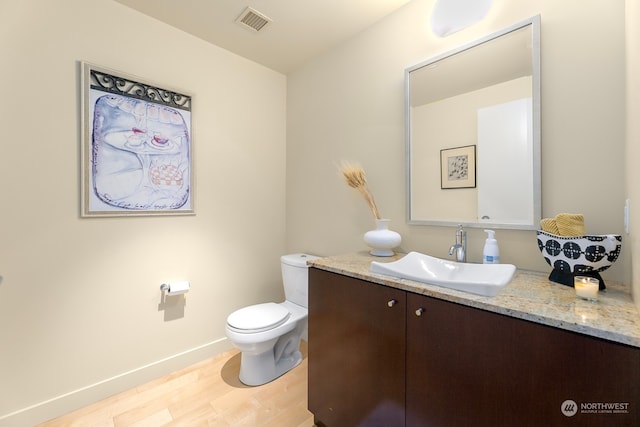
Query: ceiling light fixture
point(450, 16)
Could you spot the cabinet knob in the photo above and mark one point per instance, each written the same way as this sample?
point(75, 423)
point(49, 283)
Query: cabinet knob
point(392, 302)
point(419, 311)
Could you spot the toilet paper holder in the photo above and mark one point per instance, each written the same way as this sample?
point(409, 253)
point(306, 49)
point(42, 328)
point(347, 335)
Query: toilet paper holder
point(175, 288)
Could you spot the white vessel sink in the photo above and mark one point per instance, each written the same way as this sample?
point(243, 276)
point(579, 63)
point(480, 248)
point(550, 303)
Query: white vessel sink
point(480, 279)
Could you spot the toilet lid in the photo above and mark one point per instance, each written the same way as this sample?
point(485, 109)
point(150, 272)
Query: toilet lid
point(259, 317)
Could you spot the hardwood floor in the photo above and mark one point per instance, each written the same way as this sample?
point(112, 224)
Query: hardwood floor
point(205, 394)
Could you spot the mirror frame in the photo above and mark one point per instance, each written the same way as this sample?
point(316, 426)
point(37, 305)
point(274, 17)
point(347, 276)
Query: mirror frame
point(534, 22)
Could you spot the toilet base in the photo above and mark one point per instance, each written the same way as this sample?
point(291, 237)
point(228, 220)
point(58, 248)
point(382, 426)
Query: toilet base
point(259, 369)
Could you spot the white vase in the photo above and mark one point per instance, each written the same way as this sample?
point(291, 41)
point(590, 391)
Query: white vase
point(382, 240)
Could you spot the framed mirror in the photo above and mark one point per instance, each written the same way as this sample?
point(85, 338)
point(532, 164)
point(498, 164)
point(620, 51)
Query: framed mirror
point(473, 133)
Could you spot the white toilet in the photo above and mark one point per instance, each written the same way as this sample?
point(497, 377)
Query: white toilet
point(268, 335)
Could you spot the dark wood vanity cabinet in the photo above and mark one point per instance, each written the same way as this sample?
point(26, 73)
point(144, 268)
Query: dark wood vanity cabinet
point(356, 351)
point(428, 362)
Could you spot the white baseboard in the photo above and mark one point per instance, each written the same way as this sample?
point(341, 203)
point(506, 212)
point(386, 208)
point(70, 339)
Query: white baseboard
point(76, 399)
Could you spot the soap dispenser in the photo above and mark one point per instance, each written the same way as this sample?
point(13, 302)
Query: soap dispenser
point(491, 252)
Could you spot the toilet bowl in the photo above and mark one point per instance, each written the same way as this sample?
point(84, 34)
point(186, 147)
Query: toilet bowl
point(268, 334)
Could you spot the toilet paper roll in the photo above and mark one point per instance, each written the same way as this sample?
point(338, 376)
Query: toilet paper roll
point(177, 288)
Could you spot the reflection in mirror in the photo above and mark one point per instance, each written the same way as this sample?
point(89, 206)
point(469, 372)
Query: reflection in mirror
point(473, 133)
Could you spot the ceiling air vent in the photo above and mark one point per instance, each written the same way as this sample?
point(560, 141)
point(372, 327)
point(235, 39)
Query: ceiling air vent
point(252, 19)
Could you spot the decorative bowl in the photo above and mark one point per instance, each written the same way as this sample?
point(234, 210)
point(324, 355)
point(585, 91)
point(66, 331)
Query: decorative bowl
point(579, 255)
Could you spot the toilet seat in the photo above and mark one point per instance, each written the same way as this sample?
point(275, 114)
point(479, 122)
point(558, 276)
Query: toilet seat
point(258, 318)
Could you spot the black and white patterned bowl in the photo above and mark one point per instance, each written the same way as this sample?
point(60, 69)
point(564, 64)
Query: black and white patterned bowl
point(581, 254)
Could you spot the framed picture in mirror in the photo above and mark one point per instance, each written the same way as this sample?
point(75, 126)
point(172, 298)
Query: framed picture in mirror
point(458, 167)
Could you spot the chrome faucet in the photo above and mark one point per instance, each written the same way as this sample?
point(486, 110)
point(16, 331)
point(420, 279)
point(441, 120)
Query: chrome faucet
point(460, 247)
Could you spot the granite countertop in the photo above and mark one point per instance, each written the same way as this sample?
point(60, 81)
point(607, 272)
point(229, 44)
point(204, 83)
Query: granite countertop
point(529, 296)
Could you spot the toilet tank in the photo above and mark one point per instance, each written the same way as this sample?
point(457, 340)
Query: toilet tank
point(295, 277)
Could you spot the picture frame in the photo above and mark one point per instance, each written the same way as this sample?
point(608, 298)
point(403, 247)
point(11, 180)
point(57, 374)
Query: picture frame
point(458, 167)
point(136, 148)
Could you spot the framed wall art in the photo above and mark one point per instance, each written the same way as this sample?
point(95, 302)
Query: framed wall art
point(136, 150)
point(458, 167)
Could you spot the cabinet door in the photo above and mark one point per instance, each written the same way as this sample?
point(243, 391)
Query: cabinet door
point(454, 356)
point(469, 367)
point(356, 351)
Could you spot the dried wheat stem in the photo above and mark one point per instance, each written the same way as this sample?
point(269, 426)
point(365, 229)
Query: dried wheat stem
point(356, 178)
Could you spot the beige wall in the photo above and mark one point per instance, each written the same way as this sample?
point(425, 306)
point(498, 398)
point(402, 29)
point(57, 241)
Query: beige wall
point(79, 304)
point(633, 137)
point(348, 104)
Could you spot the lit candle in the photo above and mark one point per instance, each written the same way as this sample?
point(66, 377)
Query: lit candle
point(586, 287)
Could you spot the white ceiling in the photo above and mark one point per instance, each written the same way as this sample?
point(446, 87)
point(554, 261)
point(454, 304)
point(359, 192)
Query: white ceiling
point(301, 29)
